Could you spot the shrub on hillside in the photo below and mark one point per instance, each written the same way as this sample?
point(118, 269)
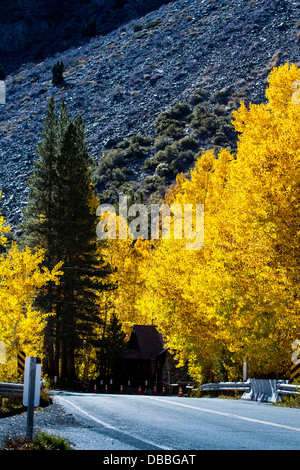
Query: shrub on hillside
point(57, 73)
point(198, 96)
point(171, 123)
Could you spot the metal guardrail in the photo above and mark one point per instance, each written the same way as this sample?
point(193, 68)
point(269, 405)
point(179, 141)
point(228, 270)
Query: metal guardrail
point(11, 389)
point(16, 389)
point(242, 386)
point(282, 388)
point(288, 389)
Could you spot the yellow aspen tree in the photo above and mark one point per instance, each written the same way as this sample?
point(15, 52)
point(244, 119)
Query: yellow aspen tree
point(264, 206)
point(179, 286)
point(125, 258)
point(238, 296)
point(21, 325)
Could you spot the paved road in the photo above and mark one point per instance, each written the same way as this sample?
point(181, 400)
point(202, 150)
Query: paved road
point(134, 422)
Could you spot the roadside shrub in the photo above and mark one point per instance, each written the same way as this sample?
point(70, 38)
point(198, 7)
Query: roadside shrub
point(45, 398)
point(292, 401)
point(10, 406)
point(42, 441)
point(45, 441)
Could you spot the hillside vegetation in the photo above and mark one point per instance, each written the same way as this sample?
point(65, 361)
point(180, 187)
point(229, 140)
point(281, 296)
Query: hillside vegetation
point(122, 79)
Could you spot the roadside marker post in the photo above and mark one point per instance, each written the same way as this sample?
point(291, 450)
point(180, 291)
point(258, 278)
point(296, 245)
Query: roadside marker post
point(295, 367)
point(31, 390)
point(21, 362)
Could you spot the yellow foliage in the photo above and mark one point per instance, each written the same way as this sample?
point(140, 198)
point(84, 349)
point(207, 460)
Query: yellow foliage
point(21, 325)
point(238, 296)
point(125, 259)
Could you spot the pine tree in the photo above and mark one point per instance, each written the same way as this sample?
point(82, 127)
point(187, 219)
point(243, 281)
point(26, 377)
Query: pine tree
point(57, 73)
point(39, 215)
point(38, 218)
point(112, 344)
point(61, 218)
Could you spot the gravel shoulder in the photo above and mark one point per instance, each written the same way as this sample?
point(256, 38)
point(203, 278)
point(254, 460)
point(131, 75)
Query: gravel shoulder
point(55, 419)
point(52, 419)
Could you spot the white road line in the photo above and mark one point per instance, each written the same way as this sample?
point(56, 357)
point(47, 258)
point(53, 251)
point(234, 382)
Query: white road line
point(229, 415)
point(109, 426)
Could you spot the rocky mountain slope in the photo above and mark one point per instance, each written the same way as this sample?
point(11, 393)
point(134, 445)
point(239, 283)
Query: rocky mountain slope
point(123, 80)
point(59, 25)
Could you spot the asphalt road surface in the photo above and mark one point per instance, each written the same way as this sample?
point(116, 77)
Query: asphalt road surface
point(155, 423)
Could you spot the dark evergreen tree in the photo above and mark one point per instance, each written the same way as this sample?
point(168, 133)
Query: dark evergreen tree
point(61, 218)
point(39, 216)
point(111, 347)
point(57, 73)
